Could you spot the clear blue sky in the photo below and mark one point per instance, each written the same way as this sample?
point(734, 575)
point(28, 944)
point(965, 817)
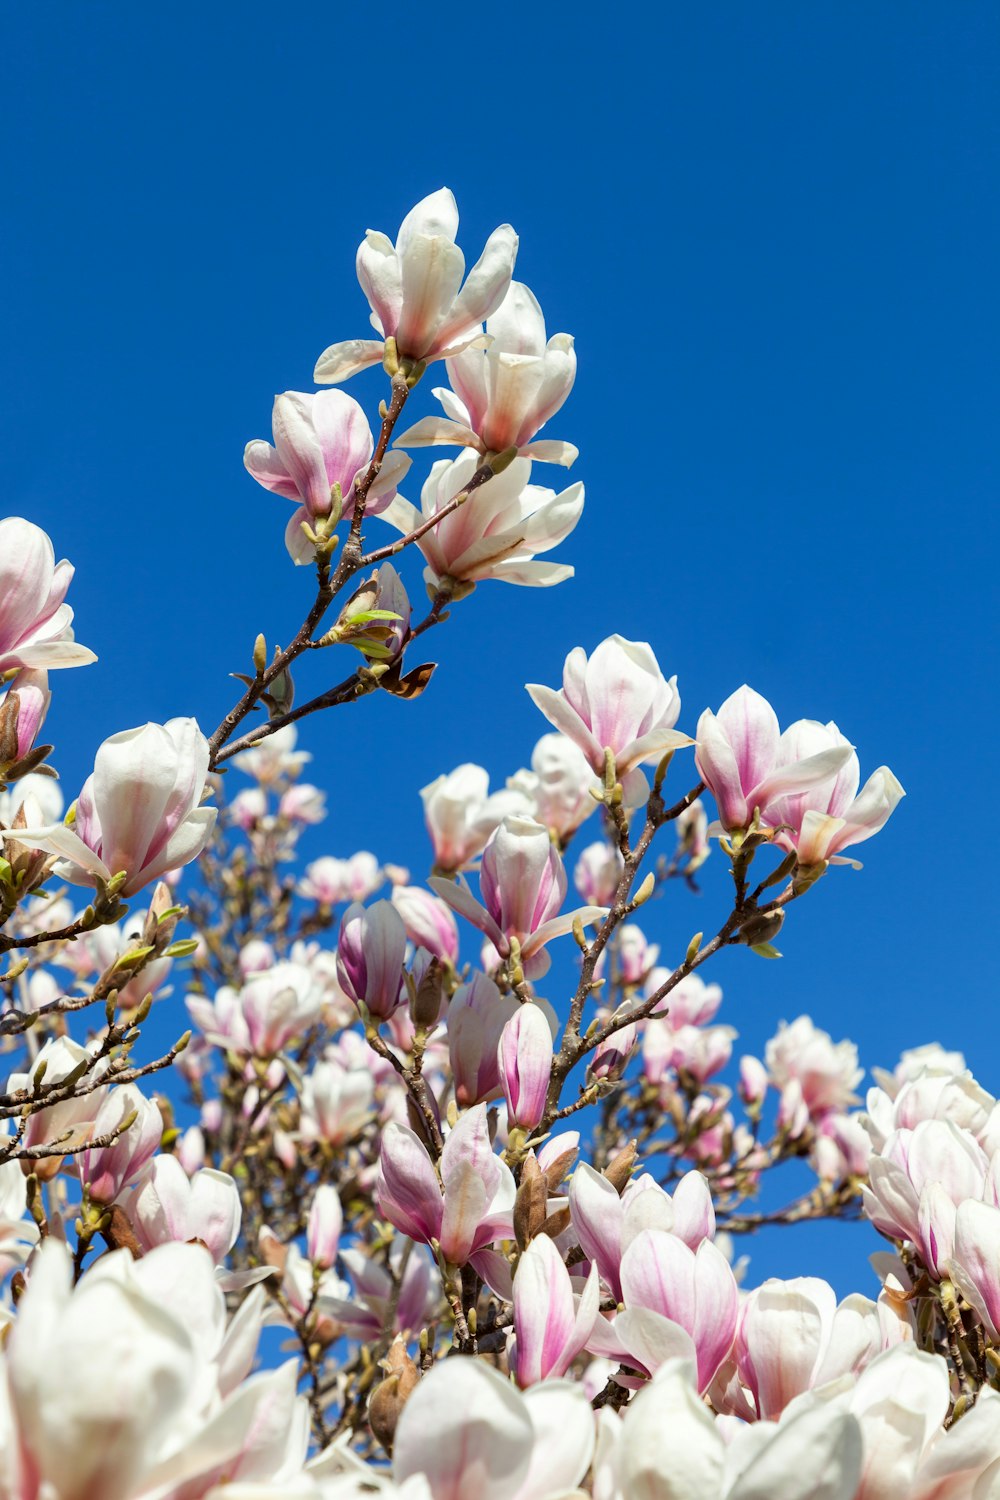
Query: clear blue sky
point(773, 231)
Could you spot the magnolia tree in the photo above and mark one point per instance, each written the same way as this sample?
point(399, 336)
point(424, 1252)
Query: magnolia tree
point(492, 1222)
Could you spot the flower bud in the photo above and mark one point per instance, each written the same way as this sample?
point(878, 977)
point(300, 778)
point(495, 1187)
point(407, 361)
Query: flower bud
point(390, 1396)
point(326, 1220)
point(525, 1060)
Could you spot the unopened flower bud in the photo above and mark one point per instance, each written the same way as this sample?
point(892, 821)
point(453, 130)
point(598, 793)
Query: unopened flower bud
point(531, 1203)
point(762, 927)
point(389, 1397)
point(619, 1169)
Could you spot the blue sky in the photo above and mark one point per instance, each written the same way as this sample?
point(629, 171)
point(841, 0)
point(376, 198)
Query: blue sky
point(773, 231)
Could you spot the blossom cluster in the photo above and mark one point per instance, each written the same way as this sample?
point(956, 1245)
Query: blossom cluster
point(488, 1214)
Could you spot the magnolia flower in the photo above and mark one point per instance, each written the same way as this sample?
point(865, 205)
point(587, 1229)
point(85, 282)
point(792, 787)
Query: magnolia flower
point(130, 1383)
point(413, 288)
point(107, 1170)
point(598, 871)
point(918, 1179)
point(370, 954)
point(330, 881)
point(22, 713)
point(468, 1209)
point(303, 803)
point(524, 1057)
point(466, 1433)
point(559, 785)
point(71, 1121)
point(321, 440)
point(428, 921)
point(337, 1102)
point(668, 1447)
point(139, 812)
point(273, 758)
point(496, 533)
point(501, 398)
point(551, 1326)
point(460, 814)
point(277, 1004)
point(35, 624)
point(523, 884)
point(932, 1094)
point(793, 1336)
point(41, 799)
point(617, 700)
point(678, 1302)
point(170, 1205)
point(326, 1220)
point(746, 765)
point(826, 1072)
point(900, 1401)
point(477, 1016)
point(606, 1224)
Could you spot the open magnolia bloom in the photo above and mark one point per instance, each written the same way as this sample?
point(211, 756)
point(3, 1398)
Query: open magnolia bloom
point(415, 290)
point(35, 623)
point(320, 440)
point(496, 533)
point(523, 885)
point(500, 398)
point(616, 699)
point(139, 813)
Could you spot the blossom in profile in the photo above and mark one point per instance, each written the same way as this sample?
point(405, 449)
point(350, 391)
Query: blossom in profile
point(523, 885)
point(551, 1324)
point(502, 396)
point(322, 443)
point(468, 1209)
point(461, 814)
point(36, 624)
point(747, 764)
point(496, 533)
point(416, 293)
point(616, 699)
point(140, 812)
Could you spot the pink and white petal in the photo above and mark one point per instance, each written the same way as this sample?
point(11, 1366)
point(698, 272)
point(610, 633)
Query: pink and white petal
point(432, 270)
point(652, 1339)
point(394, 468)
point(559, 926)
point(436, 214)
point(184, 844)
point(486, 284)
point(531, 574)
point(261, 460)
point(377, 265)
point(298, 546)
point(61, 841)
point(54, 655)
point(652, 747)
point(563, 1423)
point(467, 1430)
point(551, 451)
point(343, 360)
point(813, 771)
point(564, 717)
point(454, 407)
point(402, 515)
point(432, 430)
point(461, 900)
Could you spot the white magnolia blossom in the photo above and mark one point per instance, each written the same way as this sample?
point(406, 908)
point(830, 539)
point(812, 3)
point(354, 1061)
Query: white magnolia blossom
point(139, 812)
point(415, 290)
point(500, 398)
point(496, 533)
